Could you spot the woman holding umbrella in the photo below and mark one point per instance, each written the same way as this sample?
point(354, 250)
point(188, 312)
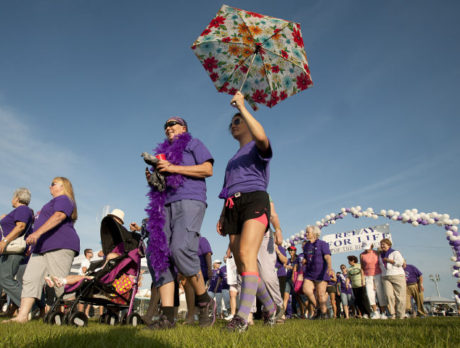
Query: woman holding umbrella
point(246, 211)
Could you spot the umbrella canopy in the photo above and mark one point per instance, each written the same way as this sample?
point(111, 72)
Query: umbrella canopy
point(262, 56)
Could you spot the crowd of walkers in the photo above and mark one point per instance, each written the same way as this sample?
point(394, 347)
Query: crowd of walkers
point(257, 278)
point(378, 285)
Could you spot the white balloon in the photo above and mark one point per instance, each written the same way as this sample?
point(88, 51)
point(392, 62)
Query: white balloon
point(457, 264)
point(455, 221)
point(383, 212)
point(415, 211)
point(414, 223)
point(431, 221)
point(343, 210)
point(345, 214)
point(333, 222)
point(445, 216)
point(328, 217)
point(318, 223)
point(454, 228)
point(453, 258)
point(390, 212)
point(448, 222)
point(358, 207)
point(332, 215)
point(449, 233)
point(394, 217)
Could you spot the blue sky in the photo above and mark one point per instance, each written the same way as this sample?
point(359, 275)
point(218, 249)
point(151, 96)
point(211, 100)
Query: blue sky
point(85, 87)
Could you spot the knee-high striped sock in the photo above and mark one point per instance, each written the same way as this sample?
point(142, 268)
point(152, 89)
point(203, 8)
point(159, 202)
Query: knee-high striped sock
point(249, 287)
point(264, 297)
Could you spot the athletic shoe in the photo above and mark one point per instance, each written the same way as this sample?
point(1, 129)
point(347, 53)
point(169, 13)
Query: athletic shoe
point(269, 318)
point(161, 324)
point(230, 317)
point(375, 315)
point(237, 324)
point(365, 316)
point(207, 315)
point(383, 316)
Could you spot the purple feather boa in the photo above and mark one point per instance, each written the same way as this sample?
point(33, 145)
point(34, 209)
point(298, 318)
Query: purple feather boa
point(158, 248)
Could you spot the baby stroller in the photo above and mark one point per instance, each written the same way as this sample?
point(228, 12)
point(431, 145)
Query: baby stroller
point(114, 285)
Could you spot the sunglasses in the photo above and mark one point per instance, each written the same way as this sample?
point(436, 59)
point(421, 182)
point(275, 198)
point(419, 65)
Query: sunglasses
point(171, 123)
point(235, 122)
point(54, 183)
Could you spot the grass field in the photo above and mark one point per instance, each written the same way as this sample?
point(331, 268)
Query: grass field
point(429, 332)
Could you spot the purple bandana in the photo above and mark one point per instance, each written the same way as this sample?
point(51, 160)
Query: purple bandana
point(385, 255)
point(158, 245)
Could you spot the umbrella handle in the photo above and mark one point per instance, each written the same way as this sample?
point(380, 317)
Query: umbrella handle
point(246, 76)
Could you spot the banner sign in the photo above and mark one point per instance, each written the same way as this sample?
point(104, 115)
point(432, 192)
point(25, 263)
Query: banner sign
point(353, 240)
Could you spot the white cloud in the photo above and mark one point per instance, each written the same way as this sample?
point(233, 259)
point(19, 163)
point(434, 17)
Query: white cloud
point(30, 158)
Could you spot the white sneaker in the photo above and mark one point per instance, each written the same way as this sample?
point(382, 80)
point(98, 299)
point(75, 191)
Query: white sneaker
point(383, 316)
point(228, 318)
point(365, 316)
point(375, 315)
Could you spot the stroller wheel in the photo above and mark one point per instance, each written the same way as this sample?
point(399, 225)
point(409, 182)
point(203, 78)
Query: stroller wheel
point(102, 318)
point(124, 318)
point(56, 318)
point(78, 319)
point(111, 319)
point(134, 319)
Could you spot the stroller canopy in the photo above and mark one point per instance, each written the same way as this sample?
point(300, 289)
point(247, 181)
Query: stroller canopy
point(113, 234)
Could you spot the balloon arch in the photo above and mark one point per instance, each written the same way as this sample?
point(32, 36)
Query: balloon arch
point(409, 216)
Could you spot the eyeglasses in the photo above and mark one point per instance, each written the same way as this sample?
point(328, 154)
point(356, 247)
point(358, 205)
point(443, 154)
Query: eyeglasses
point(235, 122)
point(171, 123)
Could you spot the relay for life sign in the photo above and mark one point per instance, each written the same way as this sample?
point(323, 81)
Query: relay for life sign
point(353, 240)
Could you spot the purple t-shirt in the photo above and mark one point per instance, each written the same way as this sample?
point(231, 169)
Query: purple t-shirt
point(20, 214)
point(342, 280)
point(213, 282)
point(247, 171)
point(192, 188)
point(203, 248)
point(280, 270)
point(316, 266)
point(223, 278)
point(412, 274)
point(63, 236)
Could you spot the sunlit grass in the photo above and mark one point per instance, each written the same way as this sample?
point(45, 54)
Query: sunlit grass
point(429, 332)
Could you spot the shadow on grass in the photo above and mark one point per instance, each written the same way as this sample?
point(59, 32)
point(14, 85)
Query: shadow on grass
point(113, 337)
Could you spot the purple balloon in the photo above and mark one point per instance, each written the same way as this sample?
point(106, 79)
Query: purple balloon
point(399, 218)
point(326, 224)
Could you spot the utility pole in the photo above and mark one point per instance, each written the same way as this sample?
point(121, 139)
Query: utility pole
point(436, 278)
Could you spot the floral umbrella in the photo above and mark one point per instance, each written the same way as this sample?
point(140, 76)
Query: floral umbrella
point(262, 56)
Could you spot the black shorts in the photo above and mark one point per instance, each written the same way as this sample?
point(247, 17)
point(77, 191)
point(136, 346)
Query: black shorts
point(247, 206)
point(331, 289)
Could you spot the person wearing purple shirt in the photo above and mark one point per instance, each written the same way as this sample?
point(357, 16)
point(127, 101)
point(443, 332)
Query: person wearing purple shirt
point(246, 212)
point(344, 290)
point(186, 165)
point(414, 288)
point(12, 226)
point(317, 270)
point(56, 243)
point(215, 286)
point(205, 253)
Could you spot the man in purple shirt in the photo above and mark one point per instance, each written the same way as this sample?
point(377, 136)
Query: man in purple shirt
point(414, 289)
